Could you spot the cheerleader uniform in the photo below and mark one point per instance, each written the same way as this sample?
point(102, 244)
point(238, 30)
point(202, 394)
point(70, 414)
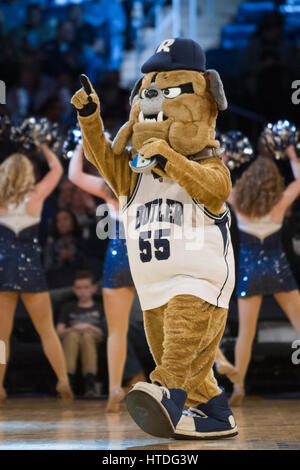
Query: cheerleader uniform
point(263, 267)
point(116, 270)
point(20, 253)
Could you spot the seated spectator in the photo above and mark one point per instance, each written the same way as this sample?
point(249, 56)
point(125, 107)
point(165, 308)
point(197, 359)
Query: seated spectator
point(79, 202)
point(85, 32)
point(266, 70)
point(64, 252)
point(9, 59)
point(114, 104)
point(109, 19)
point(98, 12)
point(65, 194)
point(14, 13)
point(84, 207)
point(31, 89)
point(65, 85)
point(35, 31)
point(53, 110)
point(63, 53)
point(80, 326)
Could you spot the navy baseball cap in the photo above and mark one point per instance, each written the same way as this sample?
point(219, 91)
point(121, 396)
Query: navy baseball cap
point(174, 54)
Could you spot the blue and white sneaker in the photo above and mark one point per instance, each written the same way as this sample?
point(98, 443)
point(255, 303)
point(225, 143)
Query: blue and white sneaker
point(211, 420)
point(155, 409)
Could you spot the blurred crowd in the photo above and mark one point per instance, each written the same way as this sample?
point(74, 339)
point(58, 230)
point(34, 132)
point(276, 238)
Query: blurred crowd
point(44, 49)
point(69, 235)
point(258, 71)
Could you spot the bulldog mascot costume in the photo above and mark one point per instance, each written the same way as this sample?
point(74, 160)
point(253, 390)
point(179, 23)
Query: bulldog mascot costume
point(165, 168)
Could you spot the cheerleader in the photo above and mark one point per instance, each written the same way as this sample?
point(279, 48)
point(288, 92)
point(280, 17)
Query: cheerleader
point(21, 272)
point(260, 203)
point(117, 283)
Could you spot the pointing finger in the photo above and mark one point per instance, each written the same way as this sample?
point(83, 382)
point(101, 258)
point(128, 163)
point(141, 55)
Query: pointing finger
point(86, 84)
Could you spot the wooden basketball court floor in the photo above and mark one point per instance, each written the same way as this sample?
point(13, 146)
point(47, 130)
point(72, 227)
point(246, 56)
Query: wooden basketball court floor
point(45, 424)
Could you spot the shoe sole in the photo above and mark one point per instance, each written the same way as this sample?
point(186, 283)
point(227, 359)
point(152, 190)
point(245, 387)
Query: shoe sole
point(149, 414)
point(206, 436)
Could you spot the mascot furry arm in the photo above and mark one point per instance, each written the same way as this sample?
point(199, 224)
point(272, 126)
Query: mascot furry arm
point(97, 149)
point(208, 180)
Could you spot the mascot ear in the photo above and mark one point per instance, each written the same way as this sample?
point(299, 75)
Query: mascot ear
point(135, 90)
point(122, 137)
point(216, 87)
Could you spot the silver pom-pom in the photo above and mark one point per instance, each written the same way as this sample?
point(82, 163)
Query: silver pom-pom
point(277, 137)
point(73, 139)
point(33, 132)
point(238, 149)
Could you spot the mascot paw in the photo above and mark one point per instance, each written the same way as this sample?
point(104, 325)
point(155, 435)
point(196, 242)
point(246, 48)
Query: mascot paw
point(85, 100)
point(153, 147)
point(157, 148)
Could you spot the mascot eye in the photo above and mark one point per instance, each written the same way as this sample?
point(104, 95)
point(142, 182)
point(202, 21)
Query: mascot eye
point(171, 92)
point(142, 95)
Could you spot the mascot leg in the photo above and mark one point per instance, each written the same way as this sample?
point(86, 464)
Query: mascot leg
point(193, 330)
point(183, 336)
point(154, 329)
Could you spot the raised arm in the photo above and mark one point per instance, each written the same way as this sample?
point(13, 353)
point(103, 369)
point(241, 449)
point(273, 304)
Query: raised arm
point(293, 190)
point(50, 181)
point(92, 184)
point(114, 168)
point(294, 160)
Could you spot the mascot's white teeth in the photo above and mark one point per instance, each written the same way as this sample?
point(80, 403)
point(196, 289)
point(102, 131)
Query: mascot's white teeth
point(154, 118)
point(160, 116)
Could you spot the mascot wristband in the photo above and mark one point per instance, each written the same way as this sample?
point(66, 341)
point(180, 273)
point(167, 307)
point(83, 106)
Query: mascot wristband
point(142, 165)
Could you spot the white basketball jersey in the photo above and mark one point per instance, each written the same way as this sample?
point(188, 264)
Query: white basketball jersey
point(176, 246)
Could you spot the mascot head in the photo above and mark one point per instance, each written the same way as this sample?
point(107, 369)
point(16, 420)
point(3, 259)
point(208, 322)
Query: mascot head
point(177, 100)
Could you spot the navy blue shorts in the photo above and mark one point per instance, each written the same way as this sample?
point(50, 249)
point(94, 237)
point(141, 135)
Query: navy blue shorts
point(20, 261)
point(116, 270)
point(263, 267)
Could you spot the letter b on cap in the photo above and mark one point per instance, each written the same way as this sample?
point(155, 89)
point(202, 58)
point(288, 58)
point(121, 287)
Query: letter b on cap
point(165, 45)
point(2, 92)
